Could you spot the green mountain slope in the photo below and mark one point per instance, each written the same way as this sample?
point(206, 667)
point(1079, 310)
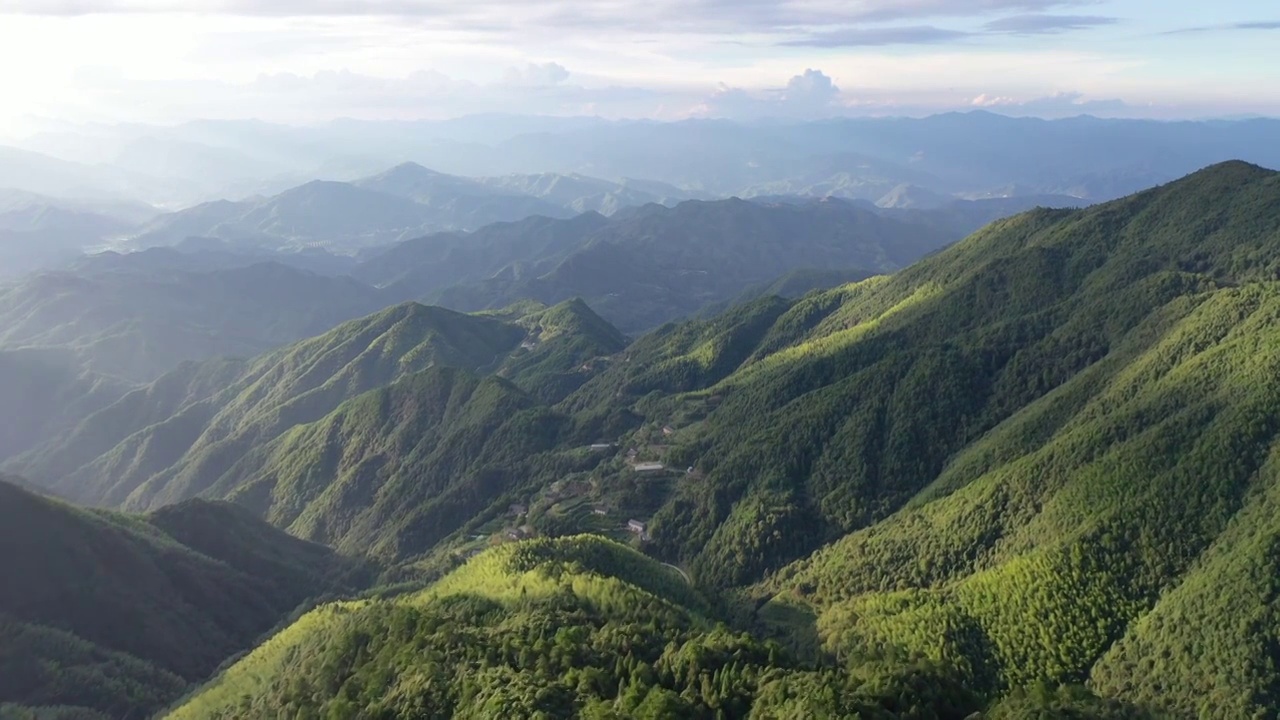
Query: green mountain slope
point(844, 405)
point(120, 613)
point(393, 471)
point(1043, 454)
point(572, 628)
point(180, 436)
point(1068, 478)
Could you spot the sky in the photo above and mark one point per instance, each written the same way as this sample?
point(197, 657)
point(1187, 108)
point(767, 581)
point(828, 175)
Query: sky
point(309, 61)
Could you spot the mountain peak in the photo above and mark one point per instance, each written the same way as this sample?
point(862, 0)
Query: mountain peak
point(1231, 170)
point(412, 169)
point(908, 196)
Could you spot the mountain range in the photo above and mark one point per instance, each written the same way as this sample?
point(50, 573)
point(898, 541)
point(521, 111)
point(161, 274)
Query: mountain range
point(968, 155)
point(134, 316)
point(650, 265)
point(1031, 474)
point(136, 320)
point(404, 202)
point(38, 231)
point(225, 426)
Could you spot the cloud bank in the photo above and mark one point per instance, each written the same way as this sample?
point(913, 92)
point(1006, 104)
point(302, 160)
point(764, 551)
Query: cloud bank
point(1047, 24)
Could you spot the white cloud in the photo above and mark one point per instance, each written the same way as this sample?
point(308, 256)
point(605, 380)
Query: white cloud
point(536, 75)
point(985, 101)
point(1061, 104)
point(811, 94)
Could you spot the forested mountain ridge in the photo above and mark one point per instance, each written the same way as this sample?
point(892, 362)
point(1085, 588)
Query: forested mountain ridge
point(1112, 529)
point(135, 321)
point(119, 614)
point(572, 627)
point(178, 437)
point(393, 471)
point(988, 326)
point(652, 264)
point(134, 316)
point(1042, 449)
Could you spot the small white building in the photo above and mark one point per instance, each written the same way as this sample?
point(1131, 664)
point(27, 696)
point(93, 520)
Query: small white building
point(648, 467)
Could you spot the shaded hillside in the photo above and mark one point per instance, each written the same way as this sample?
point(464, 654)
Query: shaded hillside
point(426, 265)
point(319, 213)
point(649, 265)
point(792, 285)
point(404, 202)
point(462, 203)
point(208, 254)
point(115, 614)
point(36, 173)
point(46, 394)
point(912, 197)
point(123, 211)
point(43, 236)
point(969, 216)
point(580, 193)
point(135, 320)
